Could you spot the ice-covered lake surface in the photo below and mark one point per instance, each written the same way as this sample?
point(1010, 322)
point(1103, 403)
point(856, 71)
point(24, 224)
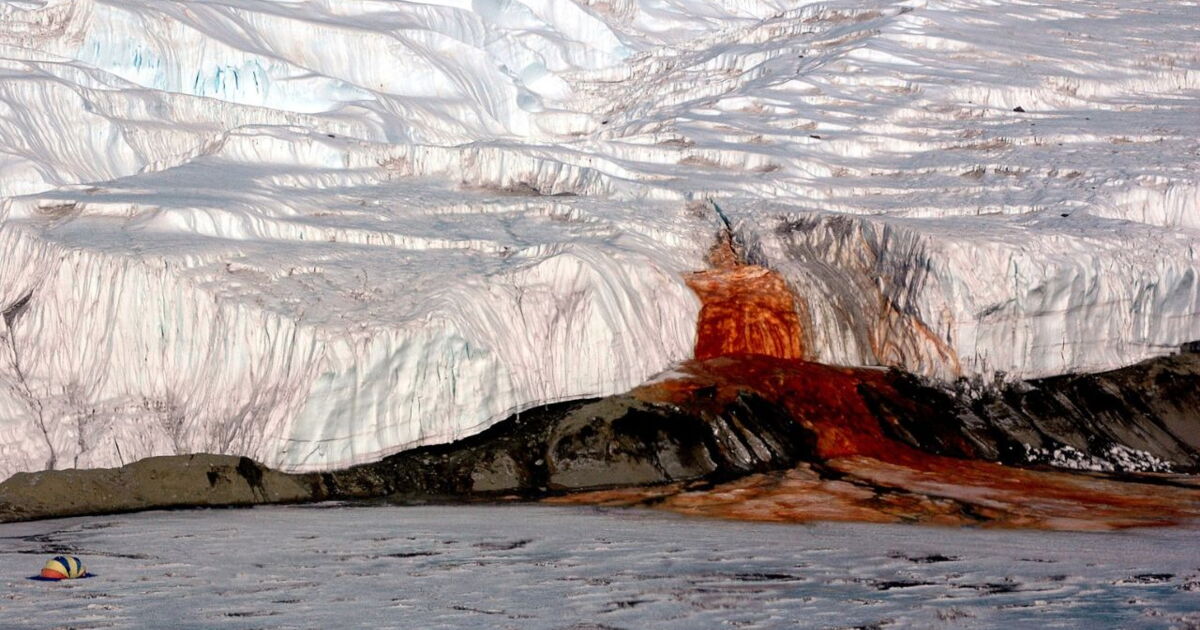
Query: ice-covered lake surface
point(541, 567)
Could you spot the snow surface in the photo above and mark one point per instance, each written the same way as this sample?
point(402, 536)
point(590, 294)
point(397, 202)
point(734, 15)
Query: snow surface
point(319, 232)
point(1118, 458)
point(535, 567)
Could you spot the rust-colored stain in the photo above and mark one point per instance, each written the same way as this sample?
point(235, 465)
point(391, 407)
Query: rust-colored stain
point(744, 309)
point(861, 474)
point(749, 342)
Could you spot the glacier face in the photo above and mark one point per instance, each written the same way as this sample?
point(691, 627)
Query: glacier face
point(319, 232)
point(335, 329)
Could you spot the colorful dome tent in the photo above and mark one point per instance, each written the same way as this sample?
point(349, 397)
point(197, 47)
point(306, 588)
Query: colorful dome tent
point(63, 568)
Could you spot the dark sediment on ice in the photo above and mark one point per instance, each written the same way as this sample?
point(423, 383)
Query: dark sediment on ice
point(707, 433)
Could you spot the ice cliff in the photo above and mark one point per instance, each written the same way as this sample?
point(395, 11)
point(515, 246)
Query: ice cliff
point(320, 232)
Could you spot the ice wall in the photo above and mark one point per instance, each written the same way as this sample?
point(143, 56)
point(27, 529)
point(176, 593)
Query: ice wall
point(1024, 295)
point(334, 334)
point(319, 232)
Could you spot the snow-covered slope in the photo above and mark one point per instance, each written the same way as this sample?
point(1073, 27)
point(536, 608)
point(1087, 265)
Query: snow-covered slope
point(319, 232)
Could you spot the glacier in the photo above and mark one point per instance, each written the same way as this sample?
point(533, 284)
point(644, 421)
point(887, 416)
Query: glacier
point(317, 233)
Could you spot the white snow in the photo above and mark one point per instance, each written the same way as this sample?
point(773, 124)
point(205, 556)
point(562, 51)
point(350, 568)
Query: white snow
point(317, 232)
point(533, 567)
point(1118, 457)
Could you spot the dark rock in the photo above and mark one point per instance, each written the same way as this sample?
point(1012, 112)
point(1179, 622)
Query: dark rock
point(615, 441)
point(1148, 578)
point(1153, 406)
point(155, 482)
point(578, 445)
point(894, 584)
point(620, 441)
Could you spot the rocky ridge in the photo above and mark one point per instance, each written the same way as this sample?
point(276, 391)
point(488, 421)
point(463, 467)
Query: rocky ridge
point(690, 432)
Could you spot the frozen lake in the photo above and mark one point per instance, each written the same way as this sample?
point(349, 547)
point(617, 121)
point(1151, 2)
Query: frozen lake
point(528, 566)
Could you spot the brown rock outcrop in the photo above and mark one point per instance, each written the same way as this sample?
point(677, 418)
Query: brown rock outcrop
point(154, 482)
